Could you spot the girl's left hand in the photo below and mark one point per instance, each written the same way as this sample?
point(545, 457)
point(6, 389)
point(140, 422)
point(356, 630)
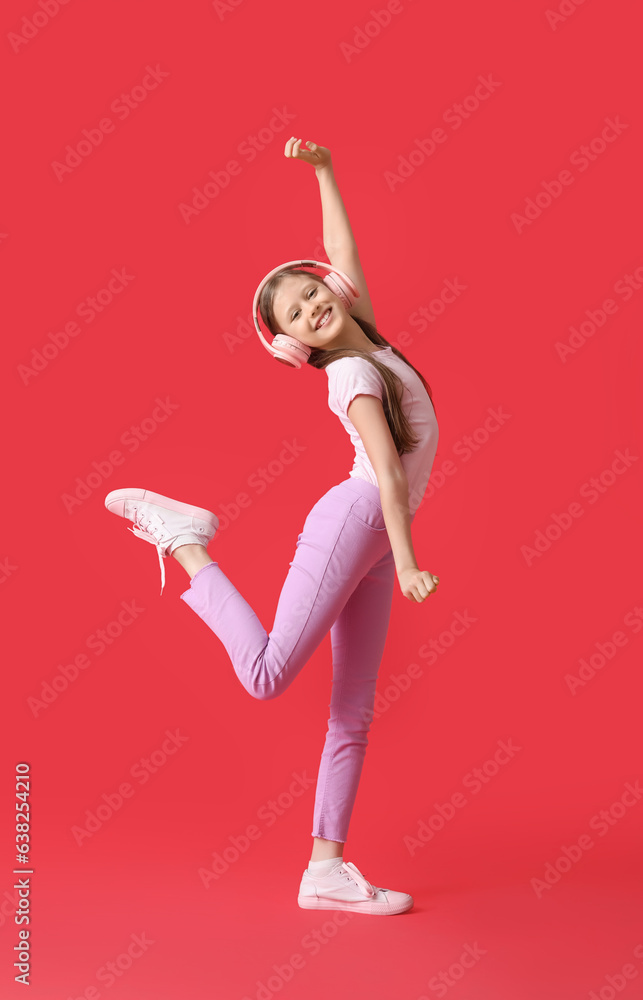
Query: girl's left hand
point(317, 156)
point(417, 584)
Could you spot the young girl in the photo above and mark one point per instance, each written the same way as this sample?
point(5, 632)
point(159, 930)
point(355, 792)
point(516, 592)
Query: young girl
point(355, 541)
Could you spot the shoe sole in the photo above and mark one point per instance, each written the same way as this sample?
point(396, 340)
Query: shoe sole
point(115, 502)
point(370, 909)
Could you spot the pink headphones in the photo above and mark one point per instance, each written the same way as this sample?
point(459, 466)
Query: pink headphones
point(284, 348)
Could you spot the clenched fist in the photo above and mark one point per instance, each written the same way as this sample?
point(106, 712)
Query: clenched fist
point(317, 156)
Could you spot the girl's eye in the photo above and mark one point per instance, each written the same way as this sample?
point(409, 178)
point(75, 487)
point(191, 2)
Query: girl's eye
point(313, 291)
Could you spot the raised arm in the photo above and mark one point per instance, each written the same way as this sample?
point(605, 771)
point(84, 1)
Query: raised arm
point(339, 241)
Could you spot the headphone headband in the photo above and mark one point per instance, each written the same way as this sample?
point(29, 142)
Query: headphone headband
point(287, 349)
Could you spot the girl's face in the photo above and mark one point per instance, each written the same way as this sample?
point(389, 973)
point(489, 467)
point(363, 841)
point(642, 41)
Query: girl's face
point(306, 309)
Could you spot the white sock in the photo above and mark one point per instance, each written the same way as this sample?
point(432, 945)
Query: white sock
point(321, 868)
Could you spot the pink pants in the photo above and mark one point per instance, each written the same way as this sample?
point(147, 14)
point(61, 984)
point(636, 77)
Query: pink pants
point(341, 579)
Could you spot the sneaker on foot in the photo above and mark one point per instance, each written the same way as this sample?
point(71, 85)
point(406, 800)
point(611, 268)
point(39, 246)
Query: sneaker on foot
point(162, 521)
point(345, 888)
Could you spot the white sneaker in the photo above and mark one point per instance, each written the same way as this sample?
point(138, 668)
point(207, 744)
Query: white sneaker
point(162, 521)
point(345, 888)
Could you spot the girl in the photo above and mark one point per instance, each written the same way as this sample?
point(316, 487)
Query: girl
point(355, 541)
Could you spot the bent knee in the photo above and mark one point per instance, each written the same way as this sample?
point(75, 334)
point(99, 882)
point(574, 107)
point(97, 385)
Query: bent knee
point(265, 692)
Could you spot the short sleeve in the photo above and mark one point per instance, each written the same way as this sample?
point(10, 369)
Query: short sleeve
point(347, 378)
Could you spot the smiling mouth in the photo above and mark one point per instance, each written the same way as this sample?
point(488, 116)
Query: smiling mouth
point(323, 319)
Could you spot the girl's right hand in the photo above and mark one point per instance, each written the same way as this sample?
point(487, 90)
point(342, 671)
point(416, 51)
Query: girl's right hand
point(317, 156)
point(417, 584)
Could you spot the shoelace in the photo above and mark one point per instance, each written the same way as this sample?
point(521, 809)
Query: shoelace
point(147, 526)
point(352, 872)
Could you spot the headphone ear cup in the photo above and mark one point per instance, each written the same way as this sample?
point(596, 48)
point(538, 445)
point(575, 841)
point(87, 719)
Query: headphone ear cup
point(343, 288)
point(289, 351)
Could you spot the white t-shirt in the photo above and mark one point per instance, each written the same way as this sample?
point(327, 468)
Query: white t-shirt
point(348, 377)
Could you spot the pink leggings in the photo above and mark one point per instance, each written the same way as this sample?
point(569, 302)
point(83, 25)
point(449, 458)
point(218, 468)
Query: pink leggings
point(340, 579)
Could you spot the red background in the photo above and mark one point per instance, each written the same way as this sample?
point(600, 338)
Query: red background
point(66, 573)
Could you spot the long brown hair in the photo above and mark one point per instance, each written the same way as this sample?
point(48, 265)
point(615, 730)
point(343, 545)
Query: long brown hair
point(401, 431)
